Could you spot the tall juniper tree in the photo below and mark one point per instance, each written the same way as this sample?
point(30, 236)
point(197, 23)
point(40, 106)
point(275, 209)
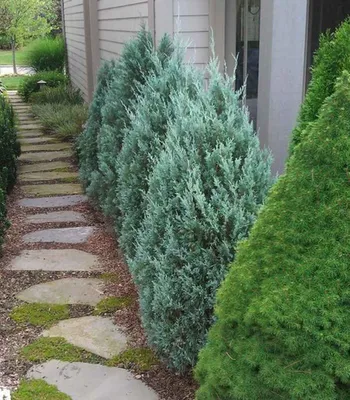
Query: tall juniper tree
point(204, 195)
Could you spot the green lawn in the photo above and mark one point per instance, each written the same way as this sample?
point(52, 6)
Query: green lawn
point(6, 56)
point(11, 82)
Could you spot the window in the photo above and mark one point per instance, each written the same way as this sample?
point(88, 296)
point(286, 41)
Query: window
point(247, 45)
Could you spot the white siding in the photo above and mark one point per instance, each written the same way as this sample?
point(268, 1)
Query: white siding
point(75, 38)
point(118, 22)
point(191, 23)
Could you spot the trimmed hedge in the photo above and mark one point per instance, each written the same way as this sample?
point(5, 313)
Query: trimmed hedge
point(331, 59)
point(204, 193)
point(9, 151)
point(29, 84)
point(283, 316)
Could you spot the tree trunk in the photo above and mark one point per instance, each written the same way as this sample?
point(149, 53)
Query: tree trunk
point(13, 45)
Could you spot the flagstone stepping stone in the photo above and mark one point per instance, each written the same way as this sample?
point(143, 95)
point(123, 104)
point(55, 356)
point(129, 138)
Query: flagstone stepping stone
point(51, 202)
point(54, 260)
point(42, 167)
point(99, 335)
point(36, 140)
point(60, 235)
point(65, 291)
point(56, 216)
point(29, 127)
point(47, 176)
point(55, 189)
point(45, 156)
point(82, 381)
point(30, 134)
point(46, 147)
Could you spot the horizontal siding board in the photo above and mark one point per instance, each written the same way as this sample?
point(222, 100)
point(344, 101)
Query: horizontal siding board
point(191, 7)
point(111, 47)
point(116, 36)
point(106, 55)
point(132, 11)
point(199, 23)
point(75, 24)
point(194, 39)
point(198, 55)
point(103, 4)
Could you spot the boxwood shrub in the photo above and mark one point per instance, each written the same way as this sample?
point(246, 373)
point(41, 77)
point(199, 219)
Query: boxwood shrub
point(283, 315)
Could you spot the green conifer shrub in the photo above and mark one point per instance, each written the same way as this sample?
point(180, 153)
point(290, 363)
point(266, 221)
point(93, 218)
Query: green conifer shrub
point(204, 194)
point(145, 138)
point(331, 59)
point(134, 65)
point(283, 315)
point(87, 141)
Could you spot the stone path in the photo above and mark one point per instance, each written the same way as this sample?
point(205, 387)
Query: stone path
point(50, 188)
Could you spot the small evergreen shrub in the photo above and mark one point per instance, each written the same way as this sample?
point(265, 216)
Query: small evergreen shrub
point(283, 316)
point(47, 54)
point(87, 141)
point(30, 85)
point(134, 65)
point(57, 95)
point(144, 139)
point(331, 59)
point(204, 194)
point(64, 120)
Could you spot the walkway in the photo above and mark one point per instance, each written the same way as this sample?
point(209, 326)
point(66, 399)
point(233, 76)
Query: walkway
point(21, 70)
point(54, 242)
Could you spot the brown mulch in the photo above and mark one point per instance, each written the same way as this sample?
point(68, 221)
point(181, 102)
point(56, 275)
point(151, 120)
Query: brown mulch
point(103, 243)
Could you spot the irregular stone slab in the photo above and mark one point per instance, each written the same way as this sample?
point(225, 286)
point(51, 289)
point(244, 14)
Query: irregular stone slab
point(60, 235)
point(56, 216)
point(47, 176)
point(29, 127)
point(56, 189)
point(35, 140)
point(42, 167)
point(65, 291)
point(45, 156)
point(54, 260)
point(83, 381)
point(47, 147)
point(98, 335)
point(30, 134)
point(51, 202)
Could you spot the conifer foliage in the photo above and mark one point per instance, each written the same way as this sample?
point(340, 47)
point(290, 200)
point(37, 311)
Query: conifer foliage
point(87, 143)
point(145, 137)
point(283, 316)
point(331, 59)
point(134, 66)
point(204, 194)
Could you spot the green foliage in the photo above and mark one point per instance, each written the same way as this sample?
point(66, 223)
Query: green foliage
point(111, 305)
point(38, 389)
point(283, 316)
point(47, 54)
point(38, 314)
point(145, 137)
point(134, 65)
point(331, 59)
point(30, 85)
point(64, 120)
point(55, 348)
point(138, 359)
point(87, 141)
point(57, 95)
point(11, 82)
point(9, 151)
point(204, 195)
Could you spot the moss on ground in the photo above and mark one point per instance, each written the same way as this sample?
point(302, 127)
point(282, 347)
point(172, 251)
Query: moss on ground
point(46, 349)
point(139, 359)
point(109, 277)
point(70, 179)
point(38, 389)
point(111, 304)
point(40, 314)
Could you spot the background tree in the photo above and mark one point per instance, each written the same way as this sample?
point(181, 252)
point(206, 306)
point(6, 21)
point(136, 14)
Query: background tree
point(21, 19)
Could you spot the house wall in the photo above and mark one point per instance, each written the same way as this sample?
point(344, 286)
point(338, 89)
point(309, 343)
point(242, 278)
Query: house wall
point(75, 38)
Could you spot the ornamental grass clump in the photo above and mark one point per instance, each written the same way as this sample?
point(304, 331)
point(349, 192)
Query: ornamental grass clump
point(283, 315)
point(331, 59)
point(134, 65)
point(204, 194)
point(144, 139)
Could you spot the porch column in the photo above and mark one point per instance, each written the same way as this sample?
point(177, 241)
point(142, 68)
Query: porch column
point(283, 49)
